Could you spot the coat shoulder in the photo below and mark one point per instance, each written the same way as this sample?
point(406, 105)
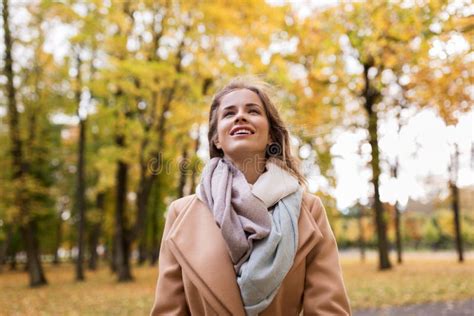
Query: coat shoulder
point(182, 203)
point(311, 201)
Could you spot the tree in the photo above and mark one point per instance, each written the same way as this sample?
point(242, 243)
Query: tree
point(28, 225)
point(81, 181)
point(440, 83)
point(382, 38)
point(398, 213)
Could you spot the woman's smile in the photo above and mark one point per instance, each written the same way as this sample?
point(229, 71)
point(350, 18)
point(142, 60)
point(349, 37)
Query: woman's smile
point(240, 130)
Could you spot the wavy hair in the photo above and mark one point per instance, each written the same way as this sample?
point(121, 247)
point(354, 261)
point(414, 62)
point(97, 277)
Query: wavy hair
point(279, 153)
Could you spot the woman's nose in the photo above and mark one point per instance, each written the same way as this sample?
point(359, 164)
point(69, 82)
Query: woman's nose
point(240, 116)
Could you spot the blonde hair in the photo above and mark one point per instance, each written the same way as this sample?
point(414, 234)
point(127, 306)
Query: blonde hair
point(278, 131)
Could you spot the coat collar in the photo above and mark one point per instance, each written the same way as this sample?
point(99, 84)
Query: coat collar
point(199, 247)
point(264, 188)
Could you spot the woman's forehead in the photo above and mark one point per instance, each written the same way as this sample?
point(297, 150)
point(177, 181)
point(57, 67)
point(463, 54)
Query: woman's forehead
point(240, 97)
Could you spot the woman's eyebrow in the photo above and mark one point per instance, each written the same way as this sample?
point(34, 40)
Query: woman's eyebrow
point(233, 106)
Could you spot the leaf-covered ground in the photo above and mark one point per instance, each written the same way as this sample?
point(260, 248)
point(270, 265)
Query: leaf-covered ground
point(100, 294)
point(419, 279)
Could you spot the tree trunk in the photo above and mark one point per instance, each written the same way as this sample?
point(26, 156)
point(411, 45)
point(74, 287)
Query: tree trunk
point(154, 247)
point(95, 232)
point(13, 262)
point(93, 243)
point(27, 223)
point(3, 253)
point(182, 171)
point(370, 95)
point(360, 217)
point(81, 181)
point(59, 236)
point(398, 234)
point(143, 194)
point(455, 203)
point(142, 250)
point(12, 247)
point(122, 243)
point(194, 172)
point(35, 269)
point(154, 224)
point(155, 244)
point(398, 216)
point(5, 245)
point(140, 226)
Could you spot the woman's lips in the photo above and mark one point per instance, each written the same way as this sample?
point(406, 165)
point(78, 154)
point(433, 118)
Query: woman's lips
point(237, 128)
point(241, 135)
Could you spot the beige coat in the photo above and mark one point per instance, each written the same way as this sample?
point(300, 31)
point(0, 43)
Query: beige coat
point(196, 275)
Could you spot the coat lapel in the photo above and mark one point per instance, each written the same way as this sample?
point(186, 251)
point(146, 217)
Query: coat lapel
point(308, 232)
point(199, 247)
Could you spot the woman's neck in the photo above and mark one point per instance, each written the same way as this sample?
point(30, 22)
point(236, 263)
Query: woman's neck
point(252, 167)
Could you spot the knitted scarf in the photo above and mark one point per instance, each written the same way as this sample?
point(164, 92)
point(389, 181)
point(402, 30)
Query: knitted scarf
point(259, 224)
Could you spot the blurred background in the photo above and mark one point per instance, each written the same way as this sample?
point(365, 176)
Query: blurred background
point(103, 122)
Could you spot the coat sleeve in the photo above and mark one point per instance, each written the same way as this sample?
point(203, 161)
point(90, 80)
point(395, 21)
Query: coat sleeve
point(169, 295)
point(324, 292)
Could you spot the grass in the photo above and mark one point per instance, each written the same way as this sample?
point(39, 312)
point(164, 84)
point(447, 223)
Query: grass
point(419, 279)
point(100, 294)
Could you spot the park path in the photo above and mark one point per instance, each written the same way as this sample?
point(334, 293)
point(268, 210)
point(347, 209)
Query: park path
point(458, 308)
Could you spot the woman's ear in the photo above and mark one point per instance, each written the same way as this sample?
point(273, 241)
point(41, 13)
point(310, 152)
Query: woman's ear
point(270, 139)
point(217, 144)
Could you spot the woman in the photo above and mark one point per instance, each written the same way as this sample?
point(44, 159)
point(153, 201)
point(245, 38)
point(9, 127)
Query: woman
point(251, 241)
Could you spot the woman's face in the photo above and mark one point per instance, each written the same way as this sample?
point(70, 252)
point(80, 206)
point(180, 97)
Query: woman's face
point(242, 125)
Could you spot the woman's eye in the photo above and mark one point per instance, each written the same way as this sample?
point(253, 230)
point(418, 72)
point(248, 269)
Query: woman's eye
point(250, 111)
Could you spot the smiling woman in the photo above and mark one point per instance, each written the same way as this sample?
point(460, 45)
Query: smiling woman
point(251, 240)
